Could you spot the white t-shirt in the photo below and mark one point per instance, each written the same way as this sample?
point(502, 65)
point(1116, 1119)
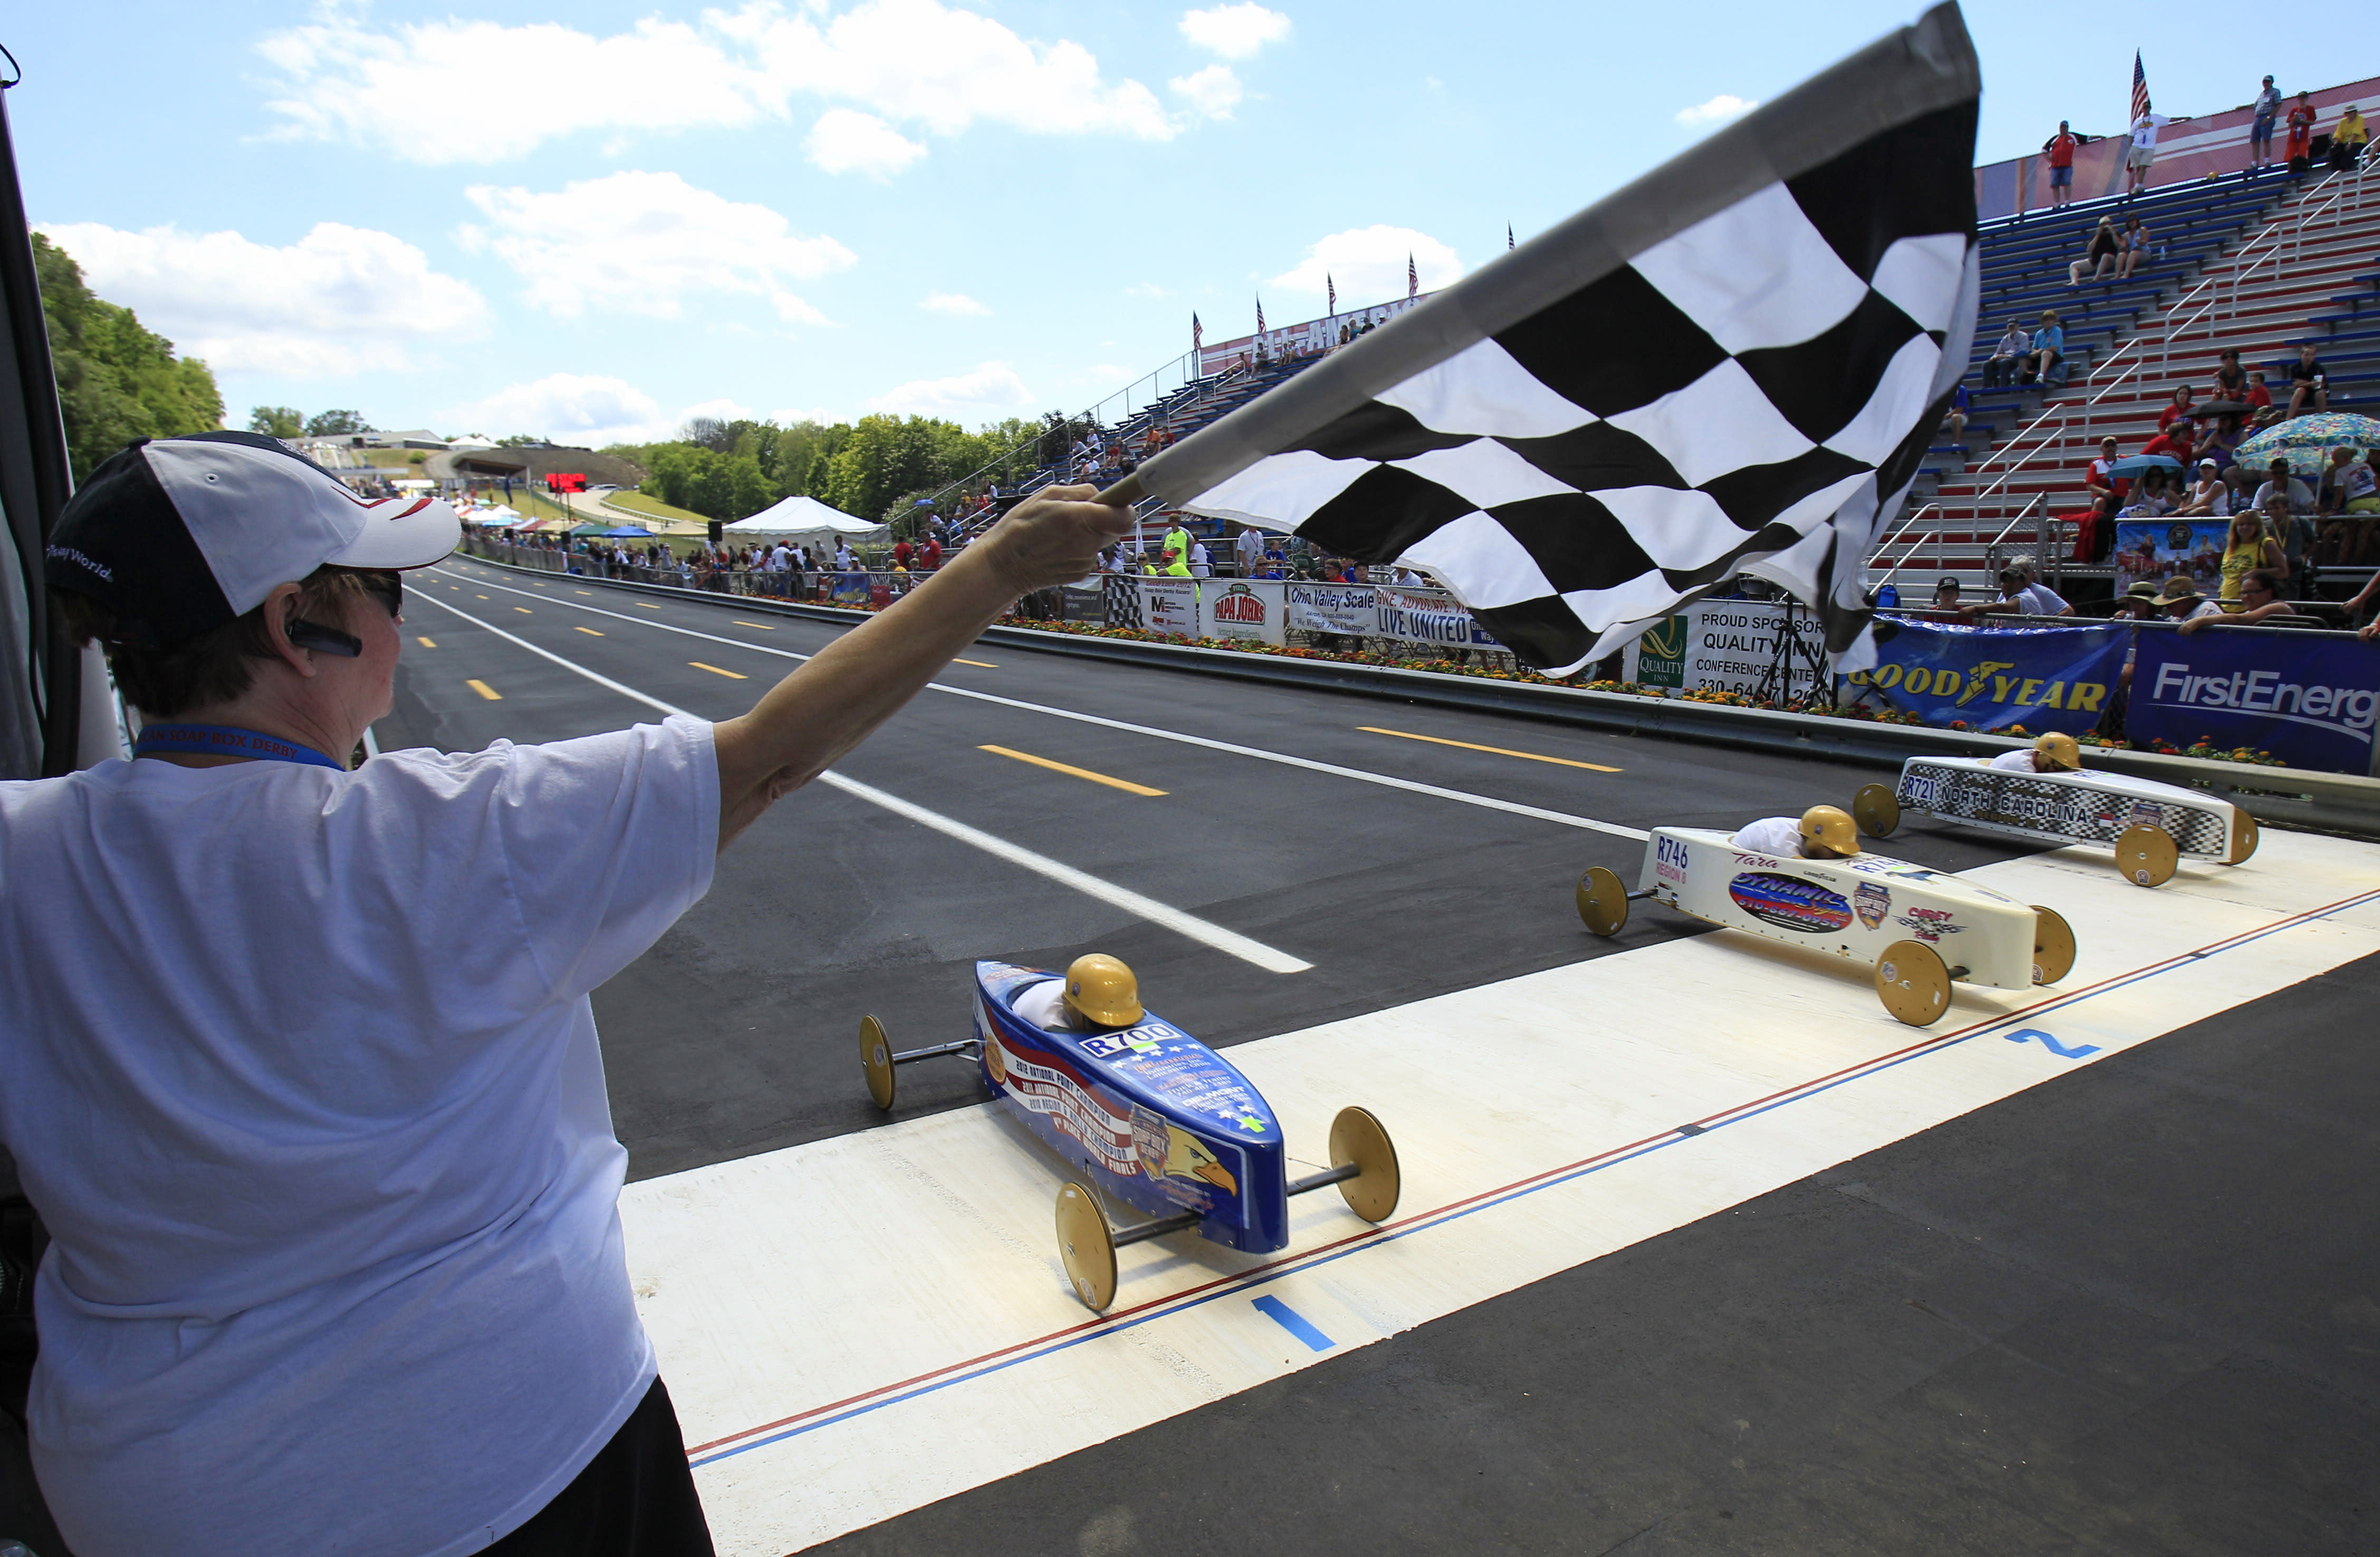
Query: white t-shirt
point(2017, 761)
point(1250, 545)
point(1044, 1005)
point(2040, 599)
point(1780, 836)
point(299, 1067)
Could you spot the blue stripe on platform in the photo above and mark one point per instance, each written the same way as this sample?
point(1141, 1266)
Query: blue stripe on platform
point(1292, 1320)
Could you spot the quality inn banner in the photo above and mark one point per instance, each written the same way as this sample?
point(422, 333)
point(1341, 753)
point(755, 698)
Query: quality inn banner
point(2044, 679)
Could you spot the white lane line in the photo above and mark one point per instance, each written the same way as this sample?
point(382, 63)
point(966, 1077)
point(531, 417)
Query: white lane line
point(1361, 775)
point(1271, 959)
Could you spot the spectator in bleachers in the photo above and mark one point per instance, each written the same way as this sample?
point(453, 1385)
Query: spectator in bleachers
point(2347, 139)
point(2100, 255)
point(2279, 483)
point(2046, 359)
point(1954, 420)
point(2143, 155)
point(2245, 546)
point(2230, 383)
point(2136, 247)
point(2267, 108)
point(2298, 152)
point(1250, 549)
point(1945, 594)
point(1999, 368)
point(2296, 532)
point(2178, 440)
point(2060, 150)
point(2182, 602)
point(2222, 443)
point(2309, 383)
point(2209, 495)
point(2259, 598)
point(2183, 397)
point(2099, 477)
point(2150, 498)
point(2259, 399)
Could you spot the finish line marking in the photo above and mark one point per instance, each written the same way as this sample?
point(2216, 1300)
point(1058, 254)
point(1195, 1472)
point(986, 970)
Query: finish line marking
point(1261, 754)
point(1271, 958)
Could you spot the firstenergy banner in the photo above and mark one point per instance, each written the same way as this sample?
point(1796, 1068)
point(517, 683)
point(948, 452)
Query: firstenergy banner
point(2307, 700)
point(2044, 679)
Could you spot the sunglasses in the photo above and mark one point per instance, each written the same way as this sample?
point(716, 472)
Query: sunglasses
point(386, 587)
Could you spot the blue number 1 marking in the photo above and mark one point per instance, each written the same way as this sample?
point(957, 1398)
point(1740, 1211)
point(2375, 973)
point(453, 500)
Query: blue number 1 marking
point(2063, 1052)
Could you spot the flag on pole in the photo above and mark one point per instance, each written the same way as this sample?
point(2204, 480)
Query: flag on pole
point(2140, 89)
point(1508, 244)
point(1413, 277)
point(1260, 323)
point(1331, 288)
point(1735, 364)
point(1197, 333)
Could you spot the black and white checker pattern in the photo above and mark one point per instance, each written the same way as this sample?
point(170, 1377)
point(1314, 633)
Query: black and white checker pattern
point(1750, 394)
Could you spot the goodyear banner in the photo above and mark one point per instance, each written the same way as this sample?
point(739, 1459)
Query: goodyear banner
point(2044, 679)
point(1242, 608)
point(2307, 700)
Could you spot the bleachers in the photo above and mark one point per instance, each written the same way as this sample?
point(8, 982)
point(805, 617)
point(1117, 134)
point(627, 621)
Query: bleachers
point(2242, 264)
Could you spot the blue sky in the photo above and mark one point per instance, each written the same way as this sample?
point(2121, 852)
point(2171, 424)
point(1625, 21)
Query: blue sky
point(587, 222)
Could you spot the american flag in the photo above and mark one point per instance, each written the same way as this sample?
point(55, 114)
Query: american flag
point(1732, 366)
point(1260, 323)
point(1508, 237)
point(2140, 88)
point(1413, 278)
point(1198, 331)
point(1331, 288)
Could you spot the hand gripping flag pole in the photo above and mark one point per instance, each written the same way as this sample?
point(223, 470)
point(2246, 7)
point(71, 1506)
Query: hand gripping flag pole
point(1733, 365)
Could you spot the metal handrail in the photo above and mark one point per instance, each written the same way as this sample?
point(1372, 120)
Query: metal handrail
point(1907, 525)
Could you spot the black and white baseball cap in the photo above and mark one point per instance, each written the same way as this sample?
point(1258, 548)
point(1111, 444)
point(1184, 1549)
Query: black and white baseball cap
point(177, 536)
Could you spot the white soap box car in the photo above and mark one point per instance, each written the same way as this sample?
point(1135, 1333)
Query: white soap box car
point(2151, 826)
point(1919, 928)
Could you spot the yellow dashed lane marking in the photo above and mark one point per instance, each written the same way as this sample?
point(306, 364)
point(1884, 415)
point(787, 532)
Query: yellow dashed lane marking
point(1128, 787)
point(585, 591)
point(523, 610)
point(730, 675)
point(425, 643)
point(742, 622)
point(484, 690)
point(1494, 750)
point(591, 632)
point(984, 665)
point(648, 605)
point(483, 597)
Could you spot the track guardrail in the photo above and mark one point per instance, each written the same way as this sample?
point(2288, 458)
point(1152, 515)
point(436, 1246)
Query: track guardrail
point(2295, 797)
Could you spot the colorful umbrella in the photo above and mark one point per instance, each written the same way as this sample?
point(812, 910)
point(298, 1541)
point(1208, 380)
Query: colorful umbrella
point(2306, 442)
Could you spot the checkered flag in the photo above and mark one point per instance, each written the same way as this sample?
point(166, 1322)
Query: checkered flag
point(1731, 366)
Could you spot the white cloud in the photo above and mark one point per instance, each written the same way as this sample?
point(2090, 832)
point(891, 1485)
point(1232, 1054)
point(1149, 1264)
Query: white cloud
point(1368, 265)
point(339, 301)
point(1147, 289)
point(641, 242)
point(988, 393)
point(819, 414)
point(952, 302)
point(1214, 92)
point(403, 87)
point(845, 140)
point(722, 410)
point(1718, 110)
point(1234, 32)
point(569, 408)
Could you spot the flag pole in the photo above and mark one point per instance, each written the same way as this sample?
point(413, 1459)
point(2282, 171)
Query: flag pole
point(1124, 493)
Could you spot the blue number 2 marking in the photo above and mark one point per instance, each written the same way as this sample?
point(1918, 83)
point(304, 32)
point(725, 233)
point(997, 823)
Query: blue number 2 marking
point(2063, 1052)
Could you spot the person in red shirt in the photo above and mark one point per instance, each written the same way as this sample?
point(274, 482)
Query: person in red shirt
point(932, 555)
point(2298, 150)
point(2060, 150)
point(2175, 440)
point(2182, 396)
point(2099, 477)
point(2258, 397)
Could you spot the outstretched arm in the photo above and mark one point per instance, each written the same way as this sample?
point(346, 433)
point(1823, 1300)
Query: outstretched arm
point(802, 725)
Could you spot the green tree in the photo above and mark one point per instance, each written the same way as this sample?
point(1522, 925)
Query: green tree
point(116, 381)
point(277, 422)
point(337, 424)
point(885, 457)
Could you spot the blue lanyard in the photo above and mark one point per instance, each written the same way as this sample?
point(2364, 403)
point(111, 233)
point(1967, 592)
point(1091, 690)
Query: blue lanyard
point(223, 740)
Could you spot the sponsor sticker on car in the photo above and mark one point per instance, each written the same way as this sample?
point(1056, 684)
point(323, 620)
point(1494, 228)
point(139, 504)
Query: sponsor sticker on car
point(1788, 902)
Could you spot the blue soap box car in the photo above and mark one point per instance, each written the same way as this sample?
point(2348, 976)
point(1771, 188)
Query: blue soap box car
point(1154, 1118)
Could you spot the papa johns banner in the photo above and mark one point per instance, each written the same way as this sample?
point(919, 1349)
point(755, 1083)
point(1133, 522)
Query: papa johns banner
point(2307, 700)
point(2045, 678)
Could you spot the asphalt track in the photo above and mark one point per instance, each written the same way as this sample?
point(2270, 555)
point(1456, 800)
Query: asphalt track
point(2157, 1278)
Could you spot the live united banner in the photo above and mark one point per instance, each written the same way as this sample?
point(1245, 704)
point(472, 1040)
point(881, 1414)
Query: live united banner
point(2044, 679)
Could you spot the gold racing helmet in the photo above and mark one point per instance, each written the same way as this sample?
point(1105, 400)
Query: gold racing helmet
point(1100, 989)
point(1829, 832)
point(2058, 752)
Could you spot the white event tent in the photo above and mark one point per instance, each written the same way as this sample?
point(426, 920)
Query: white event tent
point(808, 522)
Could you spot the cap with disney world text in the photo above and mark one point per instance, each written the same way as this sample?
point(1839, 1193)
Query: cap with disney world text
point(177, 536)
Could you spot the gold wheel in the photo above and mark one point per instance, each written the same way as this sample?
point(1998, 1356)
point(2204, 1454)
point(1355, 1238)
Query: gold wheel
point(2243, 838)
point(2146, 856)
point(1602, 901)
point(1087, 1247)
point(1357, 1137)
point(1914, 982)
point(2053, 945)
point(1877, 809)
point(876, 1059)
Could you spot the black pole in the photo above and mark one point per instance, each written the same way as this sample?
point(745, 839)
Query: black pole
point(35, 479)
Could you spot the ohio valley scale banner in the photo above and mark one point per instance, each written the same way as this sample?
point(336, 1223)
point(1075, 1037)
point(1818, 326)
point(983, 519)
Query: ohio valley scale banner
point(2307, 700)
point(2044, 679)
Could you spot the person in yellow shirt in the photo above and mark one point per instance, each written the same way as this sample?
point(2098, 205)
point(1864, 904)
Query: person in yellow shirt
point(1173, 554)
point(2347, 139)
